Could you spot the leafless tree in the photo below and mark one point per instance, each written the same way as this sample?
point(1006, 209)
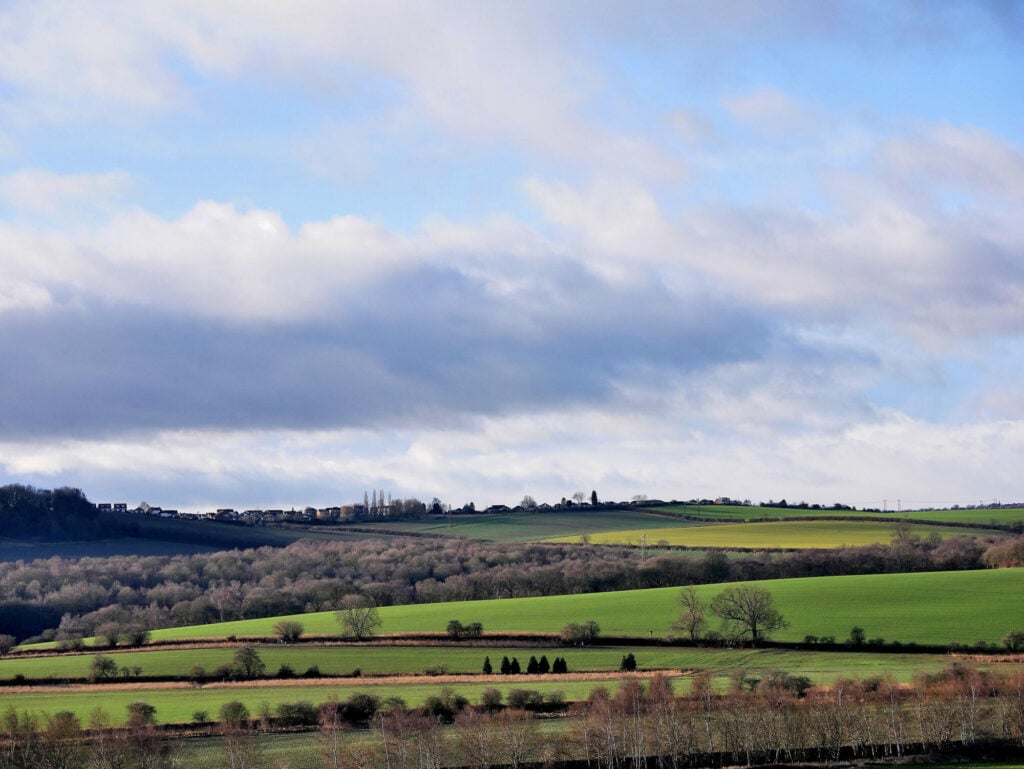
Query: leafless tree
point(358, 617)
point(694, 615)
point(288, 631)
point(747, 610)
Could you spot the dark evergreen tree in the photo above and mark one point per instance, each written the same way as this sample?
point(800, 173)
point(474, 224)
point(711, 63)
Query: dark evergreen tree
point(487, 666)
point(514, 668)
point(543, 666)
point(531, 666)
point(628, 662)
point(506, 666)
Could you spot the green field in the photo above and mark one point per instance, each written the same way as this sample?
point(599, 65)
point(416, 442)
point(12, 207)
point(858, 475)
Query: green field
point(395, 660)
point(926, 608)
point(776, 535)
point(176, 705)
point(336, 660)
point(527, 527)
point(980, 517)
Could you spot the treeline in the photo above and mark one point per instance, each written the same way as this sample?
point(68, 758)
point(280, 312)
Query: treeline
point(778, 720)
point(27, 513)
point(61, 599)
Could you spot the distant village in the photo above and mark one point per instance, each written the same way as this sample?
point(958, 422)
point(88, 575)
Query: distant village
point(377, 506)
point(372, 508)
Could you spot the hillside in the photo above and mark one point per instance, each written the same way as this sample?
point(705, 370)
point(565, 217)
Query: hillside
point(928, 608)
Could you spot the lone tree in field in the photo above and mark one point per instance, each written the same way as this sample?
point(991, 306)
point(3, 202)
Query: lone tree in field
point(247, 663)
point(694, 615)
point(576, 633)
point(457, 631)
point(288, 630)
point(747, 611)
point(1014, 640)
point(102, 668)
point(358, 617)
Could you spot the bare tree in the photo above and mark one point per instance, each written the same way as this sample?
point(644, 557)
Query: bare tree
point(62, 744)
point(109, 633)
point(102, 668)
point(247, 663)
point(239, 746)
point(517, 737)
point(747, 610)
point(694, 615)
point(576, 633)
point(358, 617)
point(288, 631)
point(476, 740)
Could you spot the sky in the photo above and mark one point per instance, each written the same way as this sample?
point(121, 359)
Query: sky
point(265, 254)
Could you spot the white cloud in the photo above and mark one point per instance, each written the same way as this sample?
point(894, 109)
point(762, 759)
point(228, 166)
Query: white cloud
point(23, 296)
point(500, 74)
point(66, 61)
point(43, 192)
point(965, 158)
point(550, 455)
point(214, 261)
point(771, 111)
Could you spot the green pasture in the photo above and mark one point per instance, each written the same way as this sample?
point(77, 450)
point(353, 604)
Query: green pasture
point(925, 608)
point(526, 527)
point(397, 660)
point(303, 750)
point(972, 517)
point(776, 534)
point(177, 705)
point(296, 750)
point(978, 517)
point(370, 660)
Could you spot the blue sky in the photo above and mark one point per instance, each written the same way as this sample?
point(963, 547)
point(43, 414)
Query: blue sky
point(268, 254)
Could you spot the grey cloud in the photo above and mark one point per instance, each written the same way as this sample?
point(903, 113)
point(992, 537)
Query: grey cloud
point(424, 348)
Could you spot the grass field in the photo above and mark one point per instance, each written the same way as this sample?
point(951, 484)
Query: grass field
point(775, 535)
point(981, 517)
point(394, 660)
point(926, 608)
point(177, 703)
point(526, 527)
point(299, 751)
point(335, 660)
